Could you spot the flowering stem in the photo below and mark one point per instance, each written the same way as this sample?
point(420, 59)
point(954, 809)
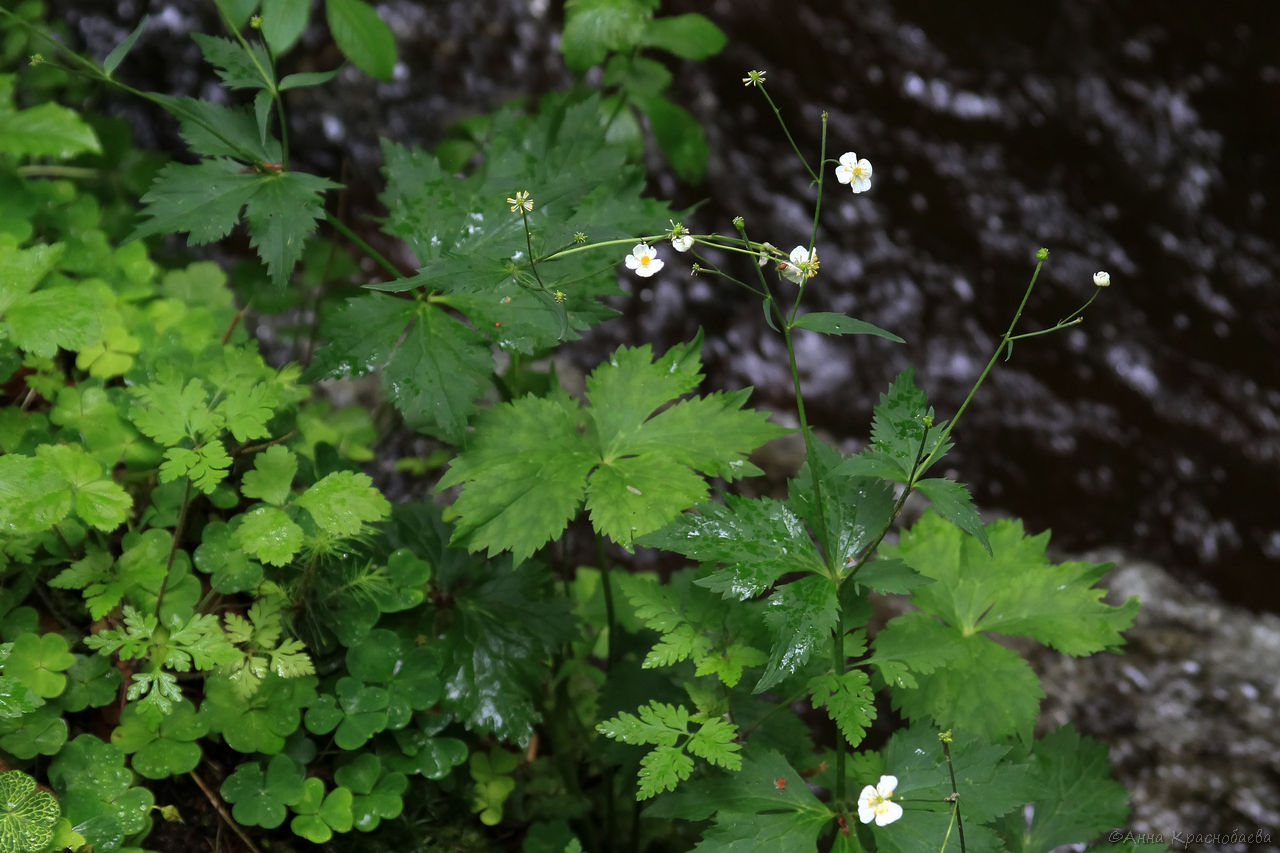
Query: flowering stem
point(794, 147)
point(1004, 341)
point(817, 208)
point(945, 737)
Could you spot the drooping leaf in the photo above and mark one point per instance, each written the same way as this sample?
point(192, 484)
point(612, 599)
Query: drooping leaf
point(593, 28)
point(954, 503)
point(689, 36)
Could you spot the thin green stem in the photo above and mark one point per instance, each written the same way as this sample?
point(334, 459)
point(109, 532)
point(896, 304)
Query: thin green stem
point(813, 234)
point(786, 132)
point(1004, 341)
point(609, 617)
point(173, 546)
point(945, 737)
point(837, 663)
point(339, 226)
point(57, 172)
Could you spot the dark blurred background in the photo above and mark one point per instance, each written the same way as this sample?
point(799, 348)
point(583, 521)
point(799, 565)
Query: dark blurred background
point(1132, 137)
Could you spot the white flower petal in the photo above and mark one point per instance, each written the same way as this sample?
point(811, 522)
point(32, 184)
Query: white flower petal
point(886, 785)
point(886, 814)
point(1102, 278)
point(682, 243)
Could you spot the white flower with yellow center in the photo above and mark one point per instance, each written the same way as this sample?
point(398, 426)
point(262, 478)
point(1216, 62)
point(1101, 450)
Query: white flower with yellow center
point(803, 264)
point(876, 803)
point(855, 172)
point(644, 260)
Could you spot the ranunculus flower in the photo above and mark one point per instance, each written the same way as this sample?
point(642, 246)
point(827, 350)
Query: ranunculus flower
point(644, 260)
point(855, 172)
point(1102, 279)
point(875, 803)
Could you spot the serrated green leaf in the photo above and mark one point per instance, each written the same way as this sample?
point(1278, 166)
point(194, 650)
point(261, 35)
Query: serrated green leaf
point(527, 467)
point(362, 36)
point(1014, 589)
point(237, 67)
point(282, 215)
point(47, 130)
point(437, 373)
point(1076, 798)
point(954, 503)
point(848, 700)
point(801, 616)
point(271, 479)
point(204, 200)
point(951, 676)
point(214, 130)
point(828, 323)
point(344, 503)
point(756, 540)
point(64, 317)
point(206, 466)
point(689, 36)
point(898, 433)
point(269, 535)
point(661, 769)
point(714, 742)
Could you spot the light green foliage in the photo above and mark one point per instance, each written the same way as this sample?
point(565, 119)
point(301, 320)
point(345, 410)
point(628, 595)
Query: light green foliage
point(899, 438)
point(27, 816)
point(45, 130)
point(260, 798)
point(667, 729)
point(848, 700)
point(271, 480)
point(1013, 590)
point(343, 503)
point(636, 470)
point(38, 492)
point(38, 732)
point(491, 772)
point(262, 646)
point(38, 662)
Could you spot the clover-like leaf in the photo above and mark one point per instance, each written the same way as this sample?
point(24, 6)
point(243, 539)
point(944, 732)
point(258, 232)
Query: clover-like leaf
point(27, 816)
point(169, 749)
point(318, 815)
point(263, 721)
point(39, 661)
point(259, 799)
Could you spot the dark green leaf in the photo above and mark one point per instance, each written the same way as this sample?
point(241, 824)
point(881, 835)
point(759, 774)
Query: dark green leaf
point(828, 323)
point(689, 36)
point(282, 22)
point(282, 215)
point(309, 78)
point(593, 28)
point(362, 36)
point(680, 136)
point(801, 617)
point(120, 51)
point(954, 503)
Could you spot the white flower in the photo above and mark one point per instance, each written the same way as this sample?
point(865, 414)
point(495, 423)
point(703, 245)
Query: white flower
point(1102, 279)
point(801, 266)
point(875, 803)
point(855, 172)
point(521, 200)
point(682, 243)
point(753, 78)
point(644, 260)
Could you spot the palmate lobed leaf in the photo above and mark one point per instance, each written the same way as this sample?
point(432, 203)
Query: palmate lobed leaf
point(531, 462)
point(1014, 589)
